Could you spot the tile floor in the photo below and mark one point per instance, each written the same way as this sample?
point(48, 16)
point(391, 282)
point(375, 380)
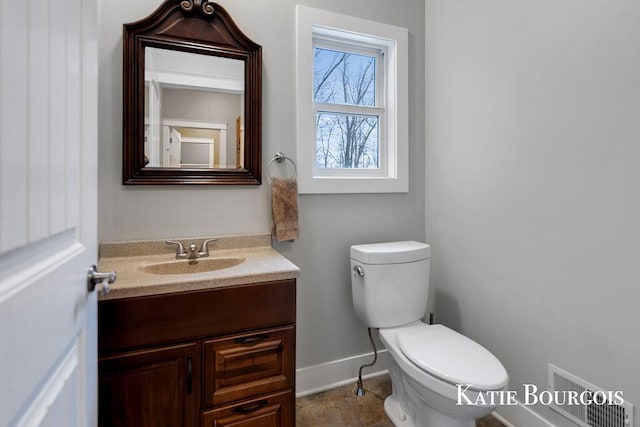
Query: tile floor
point(340, 407)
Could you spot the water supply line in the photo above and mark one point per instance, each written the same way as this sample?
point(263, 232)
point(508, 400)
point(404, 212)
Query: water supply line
point(359, 387)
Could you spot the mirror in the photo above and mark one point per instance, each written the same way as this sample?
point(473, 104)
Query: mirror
point(193, 110)
point(192, 98)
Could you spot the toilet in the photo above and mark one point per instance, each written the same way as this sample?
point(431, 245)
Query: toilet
point(440, 378)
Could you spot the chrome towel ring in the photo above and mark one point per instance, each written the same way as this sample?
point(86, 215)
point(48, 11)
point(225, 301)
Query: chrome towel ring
point(280, 157)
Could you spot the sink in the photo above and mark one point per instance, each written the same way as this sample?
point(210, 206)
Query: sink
point(189, 266)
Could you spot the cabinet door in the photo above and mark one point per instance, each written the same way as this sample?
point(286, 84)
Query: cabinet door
point(271, 411)
point(242, 366)
point(149, 388)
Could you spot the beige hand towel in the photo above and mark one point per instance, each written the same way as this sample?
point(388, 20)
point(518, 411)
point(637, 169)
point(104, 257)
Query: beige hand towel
point(284, 207)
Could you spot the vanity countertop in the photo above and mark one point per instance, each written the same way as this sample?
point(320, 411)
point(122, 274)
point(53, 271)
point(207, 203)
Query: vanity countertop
point(261, 264)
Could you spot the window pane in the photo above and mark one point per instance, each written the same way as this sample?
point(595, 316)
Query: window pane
point(343, 77)
point(347, 141)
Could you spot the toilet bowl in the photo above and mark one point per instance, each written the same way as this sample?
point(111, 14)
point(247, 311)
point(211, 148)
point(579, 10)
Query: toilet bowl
point(440, 378)
point(435, 373)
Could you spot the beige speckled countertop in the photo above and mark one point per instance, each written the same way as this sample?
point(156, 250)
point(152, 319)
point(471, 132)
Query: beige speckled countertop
point(261, 264)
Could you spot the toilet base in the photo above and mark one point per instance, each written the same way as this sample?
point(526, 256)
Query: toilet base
point(429, 417)
point(394, 411)
point(411, 405)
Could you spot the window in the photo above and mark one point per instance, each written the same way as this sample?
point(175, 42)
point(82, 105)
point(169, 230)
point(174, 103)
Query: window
point(348, 107)
point(352, 104)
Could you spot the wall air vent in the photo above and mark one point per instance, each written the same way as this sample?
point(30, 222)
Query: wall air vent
point(586, 404)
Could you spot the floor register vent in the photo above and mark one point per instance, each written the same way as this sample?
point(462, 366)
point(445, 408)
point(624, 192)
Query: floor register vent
point(609, 413)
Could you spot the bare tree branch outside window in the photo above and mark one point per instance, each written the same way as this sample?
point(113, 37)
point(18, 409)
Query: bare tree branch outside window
point(345, 140)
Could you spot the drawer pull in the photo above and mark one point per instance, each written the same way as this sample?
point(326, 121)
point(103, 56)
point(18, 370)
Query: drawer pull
point(189, 379)
point(252, 339)
point(250, 409)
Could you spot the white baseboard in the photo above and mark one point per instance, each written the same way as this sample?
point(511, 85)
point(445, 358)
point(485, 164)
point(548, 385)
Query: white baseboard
point(520, 416)
point(325, 376)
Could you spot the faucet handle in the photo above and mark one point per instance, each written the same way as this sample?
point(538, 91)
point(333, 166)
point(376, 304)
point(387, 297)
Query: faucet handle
point(204, 249)
point(180, 250)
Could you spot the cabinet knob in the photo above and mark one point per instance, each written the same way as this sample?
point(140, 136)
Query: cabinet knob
point(189, 379)
point(246, 409)
point(252, 339)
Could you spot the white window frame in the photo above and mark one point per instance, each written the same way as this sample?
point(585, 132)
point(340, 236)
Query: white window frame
point(324, 29)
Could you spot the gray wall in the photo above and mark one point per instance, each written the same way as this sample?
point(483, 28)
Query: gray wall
point(327, 327)
point(533, 130)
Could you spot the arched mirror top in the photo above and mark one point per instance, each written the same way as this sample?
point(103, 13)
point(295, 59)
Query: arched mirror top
point(192, 84)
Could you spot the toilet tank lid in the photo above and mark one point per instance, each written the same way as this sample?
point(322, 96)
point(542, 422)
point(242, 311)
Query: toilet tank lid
point(391, 252)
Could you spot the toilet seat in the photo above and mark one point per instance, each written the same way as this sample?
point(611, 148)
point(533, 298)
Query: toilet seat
point(452, 357)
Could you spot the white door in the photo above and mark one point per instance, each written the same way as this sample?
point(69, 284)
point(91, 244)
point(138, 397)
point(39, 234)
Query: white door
point(175, 148)
point(153, 148)
point(48, 212)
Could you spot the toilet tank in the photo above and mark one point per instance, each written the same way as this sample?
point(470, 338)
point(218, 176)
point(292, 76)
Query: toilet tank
point(390, 282)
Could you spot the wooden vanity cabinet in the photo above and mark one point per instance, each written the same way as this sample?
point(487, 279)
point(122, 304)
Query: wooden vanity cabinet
point(125, 380)
point(218, 357)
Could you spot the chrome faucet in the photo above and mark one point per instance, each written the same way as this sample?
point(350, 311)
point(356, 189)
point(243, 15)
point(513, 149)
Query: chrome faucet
point(193, 253)
point(204, 249)
point(180, 249)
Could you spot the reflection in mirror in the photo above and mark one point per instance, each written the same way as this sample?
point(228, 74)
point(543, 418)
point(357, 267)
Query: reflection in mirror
point(194, 110)
point(192, 98)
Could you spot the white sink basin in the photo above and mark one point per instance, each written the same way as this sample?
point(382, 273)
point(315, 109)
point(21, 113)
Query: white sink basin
point(188, 266)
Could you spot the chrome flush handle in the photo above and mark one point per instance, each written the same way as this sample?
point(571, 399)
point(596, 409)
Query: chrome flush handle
point(359, 270)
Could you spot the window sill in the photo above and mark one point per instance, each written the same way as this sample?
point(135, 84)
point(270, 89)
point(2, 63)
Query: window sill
point(350, 185)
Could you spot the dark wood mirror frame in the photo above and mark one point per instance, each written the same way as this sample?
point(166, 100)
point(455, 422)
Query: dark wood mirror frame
point(201, 27)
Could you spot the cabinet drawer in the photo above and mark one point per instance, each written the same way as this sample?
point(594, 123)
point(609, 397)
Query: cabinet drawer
point(276, 410)
point(129, 323)
point(248, 364)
